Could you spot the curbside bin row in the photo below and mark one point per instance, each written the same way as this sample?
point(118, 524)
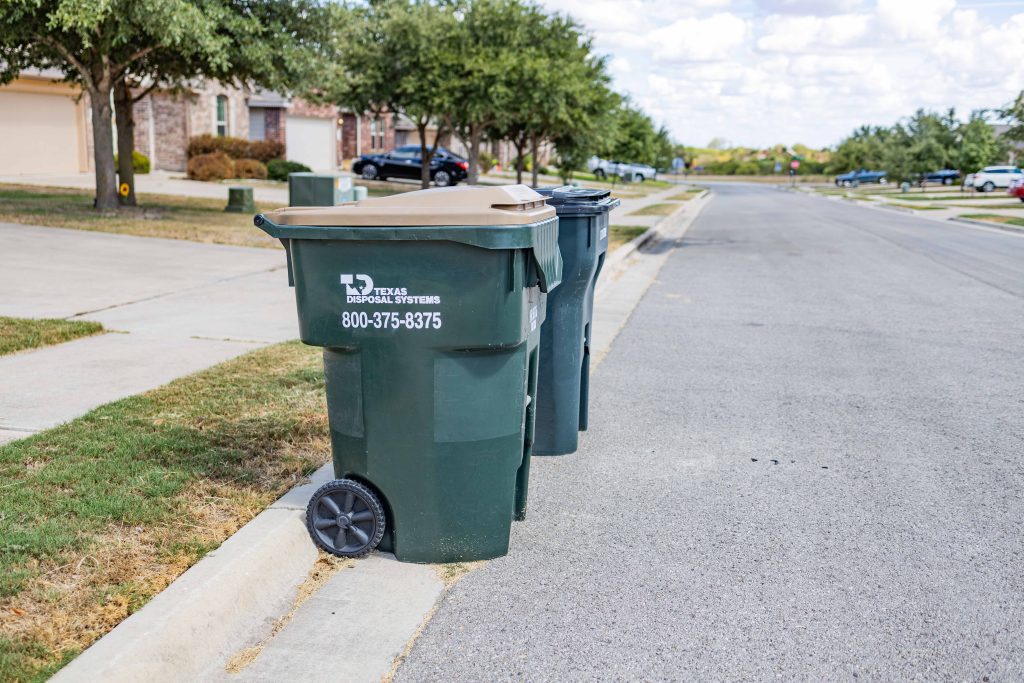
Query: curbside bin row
point(564, 376)
point(456, 344)
point(429, 308)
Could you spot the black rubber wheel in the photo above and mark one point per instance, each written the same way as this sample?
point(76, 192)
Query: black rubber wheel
point(370, 172)
point(599, 173)
point(947, 181)
point(989, 186)
point(345, 518)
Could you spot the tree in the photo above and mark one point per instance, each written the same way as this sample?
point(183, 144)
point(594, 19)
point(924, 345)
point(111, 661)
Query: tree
point(399, 56)
point(258, 58)
point(95, 43)
point(977, 146)
point(864, 148)
point(494, 34)
point(559, 91)
point(1014, 115)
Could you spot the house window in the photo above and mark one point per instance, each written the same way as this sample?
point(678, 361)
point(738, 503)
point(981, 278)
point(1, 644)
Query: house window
point(373, 132)
point(257, 124)
point(222, 115)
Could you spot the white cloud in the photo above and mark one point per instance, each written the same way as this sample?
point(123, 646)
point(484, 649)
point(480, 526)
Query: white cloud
point(797, 34)
point(760, 72)
point(913, 19)
point(715, 37)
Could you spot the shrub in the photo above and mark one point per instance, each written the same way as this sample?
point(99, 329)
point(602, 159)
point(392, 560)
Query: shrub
point(278, 169)
point(213, 166)
point(487, 162)
point(236, 148)
point(250, 168)
point(527, 162)
point(265, 150)
point(140, 162)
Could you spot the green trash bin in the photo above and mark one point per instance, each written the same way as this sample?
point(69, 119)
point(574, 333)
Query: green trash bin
point(429, 307)
point(564, 375)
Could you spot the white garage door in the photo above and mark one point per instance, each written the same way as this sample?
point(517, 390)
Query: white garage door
point(311, 142)
point(40, 133)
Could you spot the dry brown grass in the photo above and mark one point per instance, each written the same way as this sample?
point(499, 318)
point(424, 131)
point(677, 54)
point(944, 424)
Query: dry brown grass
point(101, 514)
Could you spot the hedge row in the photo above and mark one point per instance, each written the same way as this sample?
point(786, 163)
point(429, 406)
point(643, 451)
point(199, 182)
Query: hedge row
point(235, 148)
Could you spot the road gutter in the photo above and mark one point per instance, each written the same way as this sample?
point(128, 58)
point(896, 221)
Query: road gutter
point(234, 599)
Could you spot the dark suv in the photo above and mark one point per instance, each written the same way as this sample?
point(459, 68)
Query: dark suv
point(446, 168)
point(855, 178)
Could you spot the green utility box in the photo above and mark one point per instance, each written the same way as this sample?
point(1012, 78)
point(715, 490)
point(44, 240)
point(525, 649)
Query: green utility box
point(564, 376)
point(429, 307)
point(240, 200)
point(318, 189)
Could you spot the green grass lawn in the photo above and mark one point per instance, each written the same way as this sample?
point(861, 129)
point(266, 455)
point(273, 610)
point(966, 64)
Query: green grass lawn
point(1017, 205)
point(100, 514)
point(656, 210)
point(994, 218)
point(18, 334)
point(915, 207)
point(184, 218)
point(920, 197)
point(619, 235)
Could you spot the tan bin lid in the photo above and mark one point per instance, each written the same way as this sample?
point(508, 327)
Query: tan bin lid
point(466, 205)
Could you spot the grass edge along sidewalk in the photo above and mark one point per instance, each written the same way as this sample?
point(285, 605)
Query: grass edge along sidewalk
point(100, 514)
point(21, 334)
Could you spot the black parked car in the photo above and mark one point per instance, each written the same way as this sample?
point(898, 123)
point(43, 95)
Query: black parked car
point(446, 168)
point(946, 176)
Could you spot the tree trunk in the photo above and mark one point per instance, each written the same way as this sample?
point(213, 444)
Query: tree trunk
point(103, 144)
point(475, 133)
point(535, 165)
point(125, 118)
point(517, 142)
point(424, 159)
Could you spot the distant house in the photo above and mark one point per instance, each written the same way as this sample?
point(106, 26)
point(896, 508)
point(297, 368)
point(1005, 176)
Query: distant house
point(165, 120)
point(46, 125)
point(1016, 147)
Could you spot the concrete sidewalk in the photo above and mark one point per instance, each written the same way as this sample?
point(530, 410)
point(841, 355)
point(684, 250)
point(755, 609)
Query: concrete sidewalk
point(172, 307)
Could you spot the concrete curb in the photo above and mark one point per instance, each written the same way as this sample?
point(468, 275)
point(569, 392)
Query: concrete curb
point(988, 224)
point(239, 588)
point(232, 597)
point(623, 286)
point(969, 222)
point(624, 252)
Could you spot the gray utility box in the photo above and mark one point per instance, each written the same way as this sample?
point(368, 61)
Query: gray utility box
point(318, 189)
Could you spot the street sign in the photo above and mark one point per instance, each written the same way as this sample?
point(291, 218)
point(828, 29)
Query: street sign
point(778, 166)
point(794, 164)
point(677, 163)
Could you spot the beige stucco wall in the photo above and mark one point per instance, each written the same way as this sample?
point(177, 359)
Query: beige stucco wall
point(43, 128)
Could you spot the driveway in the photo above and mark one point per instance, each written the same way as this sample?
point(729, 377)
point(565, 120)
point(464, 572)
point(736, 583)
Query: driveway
point(805, 461)
point(173, 307)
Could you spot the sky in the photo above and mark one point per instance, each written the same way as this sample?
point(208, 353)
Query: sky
point(761, 72)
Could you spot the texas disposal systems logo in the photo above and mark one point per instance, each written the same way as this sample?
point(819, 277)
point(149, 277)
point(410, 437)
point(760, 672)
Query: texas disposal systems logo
point(360, 289)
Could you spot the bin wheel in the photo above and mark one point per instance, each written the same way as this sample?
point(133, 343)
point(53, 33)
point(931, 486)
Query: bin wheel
point(345, 518)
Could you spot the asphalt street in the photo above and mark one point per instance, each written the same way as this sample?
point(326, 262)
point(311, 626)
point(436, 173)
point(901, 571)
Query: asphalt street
point(805, 461)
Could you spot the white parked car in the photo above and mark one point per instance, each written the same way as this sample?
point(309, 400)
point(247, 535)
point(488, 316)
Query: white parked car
point(991, 177)
point(602, 168)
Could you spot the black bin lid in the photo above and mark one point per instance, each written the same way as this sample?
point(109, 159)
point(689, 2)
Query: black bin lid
point(578, 200)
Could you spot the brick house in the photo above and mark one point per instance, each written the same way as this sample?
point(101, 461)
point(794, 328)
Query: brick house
point(367, 134)
point(165, 120)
